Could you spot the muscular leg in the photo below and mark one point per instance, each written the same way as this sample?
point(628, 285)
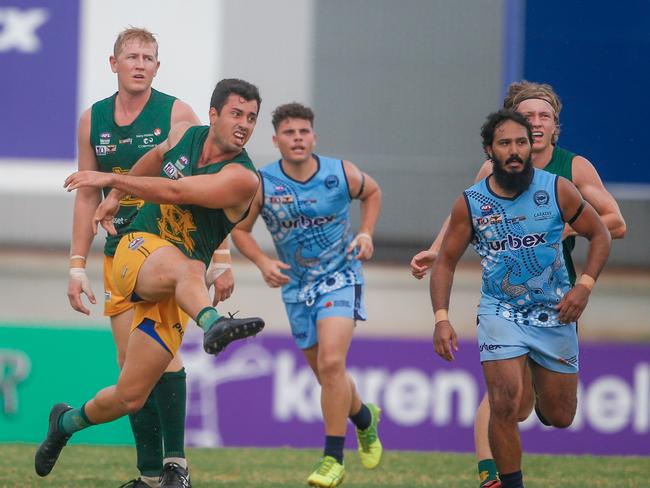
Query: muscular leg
point(505, 382)
point(339, 397)
point(557, 395)
point(145, 362)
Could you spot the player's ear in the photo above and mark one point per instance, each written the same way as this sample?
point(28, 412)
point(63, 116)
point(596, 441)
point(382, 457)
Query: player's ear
point(275, 141)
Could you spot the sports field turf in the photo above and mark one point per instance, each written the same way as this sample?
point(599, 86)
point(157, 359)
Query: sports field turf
point(98, 467)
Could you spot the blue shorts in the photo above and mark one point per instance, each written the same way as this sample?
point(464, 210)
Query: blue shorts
point(345, 302)
point(553, 348)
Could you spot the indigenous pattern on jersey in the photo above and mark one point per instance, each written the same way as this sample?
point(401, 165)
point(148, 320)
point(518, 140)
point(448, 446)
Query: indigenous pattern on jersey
point(561, 164)
point(117, 148)
point(197, 231)
point(519, 241)
point(310, 225)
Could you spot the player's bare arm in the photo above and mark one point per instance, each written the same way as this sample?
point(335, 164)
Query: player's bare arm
point(422, 261)
point(182, 112)
point(85, 204)
point(364, 188)
point(453, 246)
point(589, 184)
point(582, 217)
point(270, 268)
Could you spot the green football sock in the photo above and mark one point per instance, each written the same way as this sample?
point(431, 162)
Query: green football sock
point(207, 317)
point(145, 425)
point(170, 394)
point(487, 470)
point(74, 420)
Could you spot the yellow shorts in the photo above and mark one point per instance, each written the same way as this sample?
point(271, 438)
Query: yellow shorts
point(164, 321)
point(114, 302)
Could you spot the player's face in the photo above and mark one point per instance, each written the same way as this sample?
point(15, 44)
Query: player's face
point(234, 126)
point(295, 138)
point(510, 153)
point(541, 116)
point(136, 66)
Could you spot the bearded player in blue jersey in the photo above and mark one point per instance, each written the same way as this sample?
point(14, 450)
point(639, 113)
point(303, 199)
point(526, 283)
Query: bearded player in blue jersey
point(304, 200)
point(528, 310)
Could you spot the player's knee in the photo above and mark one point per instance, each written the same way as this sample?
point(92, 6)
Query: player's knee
point(193, 269)
point(131, 402)
point(330, 365)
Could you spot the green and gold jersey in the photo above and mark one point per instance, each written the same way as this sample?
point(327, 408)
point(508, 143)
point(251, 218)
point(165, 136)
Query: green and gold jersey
point(117, 148)
point(561, 165)
point(197, 231)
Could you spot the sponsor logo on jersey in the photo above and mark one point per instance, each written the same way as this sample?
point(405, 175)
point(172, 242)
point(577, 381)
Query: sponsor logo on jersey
point(491, 219)
point(157, 131)
point(105, 150)
point(513, 242)
point(544, 215)
point(514, 220)
point(541, 198)
point(282, 199)
point(136, 243)
point(279, 189)
point(306, 222)
point(126, 141)
point(146, 140)
point(181, 162)
point(105, 138)
point(486, 209)
point(332, 181)
point(171, 171)
point(107, 295)
point(489, 347)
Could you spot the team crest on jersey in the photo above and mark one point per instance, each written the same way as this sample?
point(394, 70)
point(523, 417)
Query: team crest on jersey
point(157, 131)
point(105, 138)
point(541, 198)
point(332, 181)
point(175, 225)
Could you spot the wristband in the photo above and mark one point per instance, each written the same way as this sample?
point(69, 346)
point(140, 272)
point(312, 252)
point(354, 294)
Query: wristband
point(77, 261)
point(222, 251)
point(364, 234)
point(586, 281)
point(77, 272)
point(441, 314)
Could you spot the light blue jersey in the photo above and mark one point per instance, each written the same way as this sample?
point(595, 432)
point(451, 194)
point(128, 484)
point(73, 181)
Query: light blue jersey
point(310, 225)
point(520, 243)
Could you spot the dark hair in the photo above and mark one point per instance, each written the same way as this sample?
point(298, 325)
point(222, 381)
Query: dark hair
point(292, 111)
point(495, 119)
point(227, 86)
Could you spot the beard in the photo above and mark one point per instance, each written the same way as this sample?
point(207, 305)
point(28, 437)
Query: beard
point(517, 182)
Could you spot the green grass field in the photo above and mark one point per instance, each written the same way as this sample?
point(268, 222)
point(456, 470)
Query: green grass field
point(98, 467)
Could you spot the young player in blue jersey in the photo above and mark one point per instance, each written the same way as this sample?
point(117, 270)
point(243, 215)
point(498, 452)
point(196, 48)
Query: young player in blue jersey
point(304, 201)
point(528, 311)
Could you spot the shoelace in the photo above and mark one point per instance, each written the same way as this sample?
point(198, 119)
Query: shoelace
point(325, 465)
point(175, 470)
point(232, 315)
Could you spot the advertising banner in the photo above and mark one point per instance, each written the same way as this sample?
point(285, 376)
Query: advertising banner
point(262, 393)
point(39, 43)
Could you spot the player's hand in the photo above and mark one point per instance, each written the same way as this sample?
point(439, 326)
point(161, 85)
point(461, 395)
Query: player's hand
point(78, 284)
point(224, 284)
point(104, 215)
point(272, 273)
point(573, 304)
point(95, 179)
point(445, 341)
point(422, 262)
point(363, 242)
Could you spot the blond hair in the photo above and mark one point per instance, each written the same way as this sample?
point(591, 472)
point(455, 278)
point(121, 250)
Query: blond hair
point(134, 34)
point(525, 90)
